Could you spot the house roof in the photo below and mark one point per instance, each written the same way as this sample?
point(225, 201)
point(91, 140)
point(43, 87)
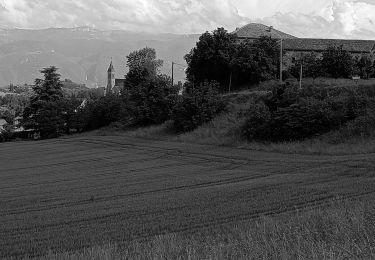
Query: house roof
point(304, 44)
point(256, 30)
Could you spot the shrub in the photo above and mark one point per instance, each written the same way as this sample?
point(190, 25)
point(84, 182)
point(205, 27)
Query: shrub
point(150, 102)
point(362, 126)
point(293, 114)
point(197, 105)
point(97, 114)
point(257, 123)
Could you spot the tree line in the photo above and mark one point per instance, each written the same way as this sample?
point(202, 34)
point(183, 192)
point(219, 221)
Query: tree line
point(218, 63)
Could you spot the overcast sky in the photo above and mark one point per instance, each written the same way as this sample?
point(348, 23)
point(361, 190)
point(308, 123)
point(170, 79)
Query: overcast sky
point(303, 18)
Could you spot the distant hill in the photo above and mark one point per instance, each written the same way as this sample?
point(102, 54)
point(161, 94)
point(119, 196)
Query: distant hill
point(82, 54)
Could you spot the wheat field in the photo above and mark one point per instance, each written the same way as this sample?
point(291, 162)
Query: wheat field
point(72, 193)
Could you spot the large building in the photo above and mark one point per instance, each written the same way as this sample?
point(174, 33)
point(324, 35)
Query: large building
point(114, 85)
point(295, 48)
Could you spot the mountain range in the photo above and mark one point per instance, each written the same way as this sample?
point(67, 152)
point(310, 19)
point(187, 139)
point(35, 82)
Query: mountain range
point(83, 54)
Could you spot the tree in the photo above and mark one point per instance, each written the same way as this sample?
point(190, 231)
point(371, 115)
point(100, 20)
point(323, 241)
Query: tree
point(312, 66)
point(365, 67)
point(150, 102)
point(255, 61)
point(44, 112)
point(142, 64)
point(337, 62)
point(147, 97)
point(210, 58)
point(219, 56)
point(197, 105)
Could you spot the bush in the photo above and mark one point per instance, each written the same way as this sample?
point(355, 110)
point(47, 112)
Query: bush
point(257, 123)
point(149, 102)
point(292, 114)
point(97, 114)
point(197, 105)
point(362, 126)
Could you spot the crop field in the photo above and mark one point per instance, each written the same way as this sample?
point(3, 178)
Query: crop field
point(71, 193)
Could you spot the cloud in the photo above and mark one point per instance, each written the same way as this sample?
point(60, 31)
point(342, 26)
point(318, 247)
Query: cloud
point(145, 15)
point(307, 18)
point(338, 19)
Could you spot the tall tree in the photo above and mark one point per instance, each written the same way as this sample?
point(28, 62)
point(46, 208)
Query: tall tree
point(44, 112)
point(142, 64)
point(147, 97)
point(210, 59)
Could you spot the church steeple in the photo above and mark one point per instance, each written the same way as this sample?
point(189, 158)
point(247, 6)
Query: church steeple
point(111, 68)
point(111, 78)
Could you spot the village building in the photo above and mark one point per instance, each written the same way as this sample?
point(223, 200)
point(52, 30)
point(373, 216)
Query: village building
point(114, 85)
point(295, 48)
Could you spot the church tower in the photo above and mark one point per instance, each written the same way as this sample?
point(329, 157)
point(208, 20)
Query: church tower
point(111, 79)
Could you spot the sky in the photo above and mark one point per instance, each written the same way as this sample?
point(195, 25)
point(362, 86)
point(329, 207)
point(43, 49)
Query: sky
point(302, 18)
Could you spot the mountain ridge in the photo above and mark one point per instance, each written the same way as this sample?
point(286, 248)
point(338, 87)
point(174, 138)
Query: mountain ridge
point(82, 53)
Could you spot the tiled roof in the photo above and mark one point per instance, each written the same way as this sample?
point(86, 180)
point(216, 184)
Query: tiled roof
point(291, 43)
point(303, 44)
point(256, 30)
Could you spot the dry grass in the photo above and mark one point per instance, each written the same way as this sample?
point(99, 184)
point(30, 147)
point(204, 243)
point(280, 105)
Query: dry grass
point(339, 230)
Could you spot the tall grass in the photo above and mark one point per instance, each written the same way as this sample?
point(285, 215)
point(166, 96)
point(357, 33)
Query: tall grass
point(339, 230)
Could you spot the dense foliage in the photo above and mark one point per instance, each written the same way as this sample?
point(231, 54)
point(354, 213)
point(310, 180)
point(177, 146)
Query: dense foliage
point(44, 112)
point(49, 111)
point(337, 62)
point(293, 114)
point(149, 102)
point(219, 56)
point(210, 59)
point(14, 103)
point(197, 105)
point(97, 113)
point(334, 62)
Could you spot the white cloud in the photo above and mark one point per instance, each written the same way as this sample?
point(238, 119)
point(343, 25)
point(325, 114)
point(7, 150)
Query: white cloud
point(307, 18)
point(337, 19)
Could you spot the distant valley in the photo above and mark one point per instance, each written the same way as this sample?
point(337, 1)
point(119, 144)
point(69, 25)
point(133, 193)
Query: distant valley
point(82, 54)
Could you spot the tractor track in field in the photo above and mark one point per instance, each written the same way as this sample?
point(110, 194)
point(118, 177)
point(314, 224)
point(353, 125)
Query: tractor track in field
point(211, 156)
point(115, 185)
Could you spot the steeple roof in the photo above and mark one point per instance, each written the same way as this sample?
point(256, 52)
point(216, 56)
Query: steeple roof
point(111, 68)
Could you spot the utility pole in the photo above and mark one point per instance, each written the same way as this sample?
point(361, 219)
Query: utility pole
point(172, 73)
point(281, 60)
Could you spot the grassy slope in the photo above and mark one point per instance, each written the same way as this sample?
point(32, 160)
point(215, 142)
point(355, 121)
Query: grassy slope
point(225, 129)
point(335, 231)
